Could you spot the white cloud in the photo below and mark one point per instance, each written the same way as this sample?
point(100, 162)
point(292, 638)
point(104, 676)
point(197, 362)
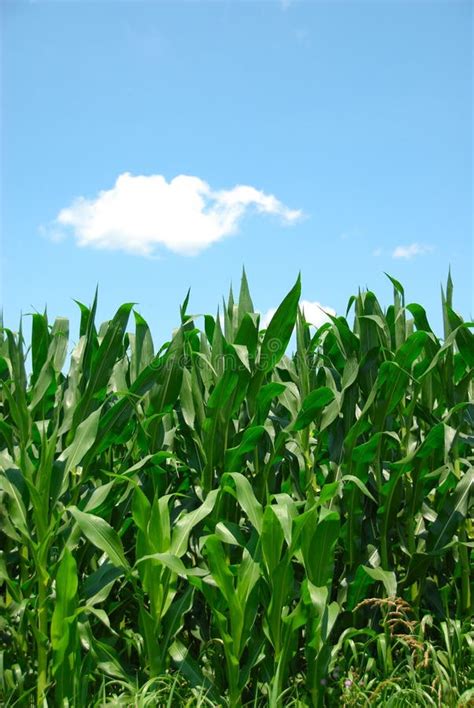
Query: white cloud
point(265, 318)
point(315, 313)
point(141, 213)
point(414, 249)
point(377, 252)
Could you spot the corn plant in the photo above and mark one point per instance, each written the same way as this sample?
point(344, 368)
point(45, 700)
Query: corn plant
point(221, 520)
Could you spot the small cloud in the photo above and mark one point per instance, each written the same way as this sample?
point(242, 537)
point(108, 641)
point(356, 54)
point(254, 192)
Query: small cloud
point(315, 313)
point(350, 233)
point(414, 249)
point(141, 213)
point(265, 318)
point(377, 252)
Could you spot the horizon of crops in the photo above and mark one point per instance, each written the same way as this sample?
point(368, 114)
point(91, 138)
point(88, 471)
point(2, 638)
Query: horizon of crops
point(214, 522)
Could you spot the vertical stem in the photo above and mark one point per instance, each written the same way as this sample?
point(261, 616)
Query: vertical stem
point(235, 698)
point(260, 479)
point(410, 526)
point(388, 660)
point(379, 481)
point(465, 573)
point(309, 488)
point(42, 648)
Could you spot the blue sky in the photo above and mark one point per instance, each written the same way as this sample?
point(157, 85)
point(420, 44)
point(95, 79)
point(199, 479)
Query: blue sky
point(354, 116)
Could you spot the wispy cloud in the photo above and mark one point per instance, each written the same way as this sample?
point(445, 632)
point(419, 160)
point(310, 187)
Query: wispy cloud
point(315, 313)
point(142, 213)
point(352, 233)
point(414, 249)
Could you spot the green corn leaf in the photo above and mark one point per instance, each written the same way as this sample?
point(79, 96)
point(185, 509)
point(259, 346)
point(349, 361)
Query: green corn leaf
point(221, 573)
point(191, 669)
point(59, 340)
point(169, 384)
point(116, 418)
point(103, 362)
point(246, 498)
point(65, 605)
point(235, 455)
point(312, 406)
point(101, 535)
point(98, 584)
point(359, 483)
point(64, 637)
point(158, 531)
point(98, 496)
point(318, 547)
point(452, 514)
point(245, 301)
point(141, 510)
point(185, 524)
point(175, 618)
point(186, 399)
point(411, 349)
point(265, 397)
point(279, 330)
point(173, 563)
point(39, 344)
point(271, 539)
point(84, 438)
point(247, 334)
point(19, 518)
point(387, 578)
point(396, 284)
point(142, 347)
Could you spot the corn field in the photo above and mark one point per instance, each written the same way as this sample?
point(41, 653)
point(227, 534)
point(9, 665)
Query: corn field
point(219, 523)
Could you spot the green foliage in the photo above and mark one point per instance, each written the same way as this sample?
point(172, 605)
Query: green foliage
point(218, 523)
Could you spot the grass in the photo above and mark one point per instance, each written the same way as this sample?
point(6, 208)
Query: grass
point(215, 523)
